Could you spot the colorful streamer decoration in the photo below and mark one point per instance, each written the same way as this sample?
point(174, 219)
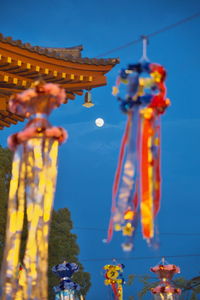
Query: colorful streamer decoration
point(32, 188)
point(165, 290)
point(67, 289)
point(114, 277)
point(137, 185)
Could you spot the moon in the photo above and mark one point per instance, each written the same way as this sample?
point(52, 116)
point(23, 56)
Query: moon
point(99, 122)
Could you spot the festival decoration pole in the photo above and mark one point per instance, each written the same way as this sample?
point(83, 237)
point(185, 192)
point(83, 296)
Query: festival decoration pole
point(137, 185)
point(165, 290)
point(32, 188)
point(67, 289)
point(114, 277)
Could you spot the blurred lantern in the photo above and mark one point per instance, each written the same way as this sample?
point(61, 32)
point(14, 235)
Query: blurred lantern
point(67, 289)
point(32, 187)
point(137, 185)
point(88, 100)
point(114, 278)
point(165, 290)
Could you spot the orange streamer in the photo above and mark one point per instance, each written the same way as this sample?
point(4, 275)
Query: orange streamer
point(147, 181)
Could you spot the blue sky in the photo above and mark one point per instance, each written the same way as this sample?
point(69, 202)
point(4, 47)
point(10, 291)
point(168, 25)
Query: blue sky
point(88, 160)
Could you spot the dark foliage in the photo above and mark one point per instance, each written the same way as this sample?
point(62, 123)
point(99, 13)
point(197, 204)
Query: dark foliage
point(5, 175)
point(63, 246)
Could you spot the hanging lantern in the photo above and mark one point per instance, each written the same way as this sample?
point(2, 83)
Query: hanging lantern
point(114, 277)
point(137, 184)
point(165, 290)
point(88, 100)
point(67, 289)
point(32, 188)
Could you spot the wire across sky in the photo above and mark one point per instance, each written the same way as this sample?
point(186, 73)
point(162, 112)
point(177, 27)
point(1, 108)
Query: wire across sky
point(141, 257)
point(152, 34)
point(161, 233)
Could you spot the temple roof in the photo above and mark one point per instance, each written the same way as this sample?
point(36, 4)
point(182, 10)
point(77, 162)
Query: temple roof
point(71, 54)
point(21, 64)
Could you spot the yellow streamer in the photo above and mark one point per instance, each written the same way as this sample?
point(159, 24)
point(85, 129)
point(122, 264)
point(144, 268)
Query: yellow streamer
point(34, 178)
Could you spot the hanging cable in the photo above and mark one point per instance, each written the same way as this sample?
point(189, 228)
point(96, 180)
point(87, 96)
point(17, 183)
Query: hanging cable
point(161, 233)
point(144, 48)
point(141, 257)
point(159, 31)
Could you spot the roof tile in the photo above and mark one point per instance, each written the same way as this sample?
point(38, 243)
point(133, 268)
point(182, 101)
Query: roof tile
point(58, 52)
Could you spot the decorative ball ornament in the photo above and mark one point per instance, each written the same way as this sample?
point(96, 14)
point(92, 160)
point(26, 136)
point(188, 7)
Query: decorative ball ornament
point(137, 184)
point(165, 290)
point(114, 277)
point(67, 289)
point(32, 188)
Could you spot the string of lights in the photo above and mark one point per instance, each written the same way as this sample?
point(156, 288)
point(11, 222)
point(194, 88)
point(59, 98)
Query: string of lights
point(152, 34)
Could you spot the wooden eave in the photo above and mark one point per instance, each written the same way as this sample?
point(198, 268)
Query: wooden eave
point(20, 66)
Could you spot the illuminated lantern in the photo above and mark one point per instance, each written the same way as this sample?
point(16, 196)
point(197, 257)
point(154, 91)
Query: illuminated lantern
point(88, 100)
point(114, 278)
point(67, 289)
point(165, 290)
point(32, 187)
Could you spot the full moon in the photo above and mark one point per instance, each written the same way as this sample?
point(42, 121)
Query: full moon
point(99, 122)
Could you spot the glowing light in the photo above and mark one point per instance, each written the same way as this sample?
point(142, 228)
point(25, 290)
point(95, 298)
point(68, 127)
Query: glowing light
point(99, 122)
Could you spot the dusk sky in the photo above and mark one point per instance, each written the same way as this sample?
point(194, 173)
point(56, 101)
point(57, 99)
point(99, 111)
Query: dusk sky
point(87, 161)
